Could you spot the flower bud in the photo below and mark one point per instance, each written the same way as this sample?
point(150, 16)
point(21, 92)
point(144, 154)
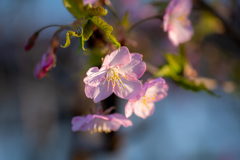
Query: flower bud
point(48, 61)
point(31, 41)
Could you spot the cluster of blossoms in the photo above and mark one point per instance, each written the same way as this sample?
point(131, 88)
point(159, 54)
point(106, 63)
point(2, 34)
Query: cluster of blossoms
point(119, 74)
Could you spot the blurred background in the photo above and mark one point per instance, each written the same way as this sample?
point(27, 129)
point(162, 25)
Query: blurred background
point(35, 114)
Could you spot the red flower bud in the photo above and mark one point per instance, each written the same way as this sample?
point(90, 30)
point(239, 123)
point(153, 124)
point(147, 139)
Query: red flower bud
point(31, 41)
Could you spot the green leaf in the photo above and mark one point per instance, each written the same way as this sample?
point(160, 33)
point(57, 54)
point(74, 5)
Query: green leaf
point(175, 63)
point(165, 71)
point(107, 29)
point(96, 11)
point(87, 30)
point(125, 21)
point(75, 7)
point(174, 70)
point(191, 85)
point(81, 44)
point(102, 24)
point(114, 41)
point(68, 36)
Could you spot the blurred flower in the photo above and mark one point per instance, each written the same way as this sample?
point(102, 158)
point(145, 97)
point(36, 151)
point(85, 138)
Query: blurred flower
point(176, 21)
point(100, 123)
point(136, 9)
point(119, 74)
point(143, 104)
point(48, 61)
point(85, 2)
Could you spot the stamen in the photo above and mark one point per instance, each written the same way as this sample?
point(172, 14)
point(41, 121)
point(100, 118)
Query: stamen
point(145, 101)
point(113, 78)
point(183, 19)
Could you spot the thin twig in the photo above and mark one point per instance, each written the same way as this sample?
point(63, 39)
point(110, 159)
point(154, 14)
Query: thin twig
point(143, 20)
point(53, 25)
point(108, 4)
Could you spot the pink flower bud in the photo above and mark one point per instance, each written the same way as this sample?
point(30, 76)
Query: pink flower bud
point(48, 61)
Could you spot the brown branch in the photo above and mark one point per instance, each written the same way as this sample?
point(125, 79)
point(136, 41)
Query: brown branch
point(232, 32)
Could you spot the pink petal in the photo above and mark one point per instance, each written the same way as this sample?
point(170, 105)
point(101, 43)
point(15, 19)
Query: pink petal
point(129, 90)
point(100, 123)
point(181, 7)
point(135, 68)
point(47, 61)
point(120, 119)
point(166, 22)
point(95, 78)
point(157, 89)
point(117, 58)
point(86, 123)
point(180, 34)
point(143, 111)
point(128, 109)
point(92, 70)
point(78, 122)
point(39, 72)
point(93, 124)
point(98, 93)
point(89, 2)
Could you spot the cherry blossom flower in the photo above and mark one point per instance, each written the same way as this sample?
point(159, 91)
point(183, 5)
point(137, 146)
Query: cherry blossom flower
point(119, 73)
point(48, 61)
point(176, 21)
point(143, 104)
point(100, 123)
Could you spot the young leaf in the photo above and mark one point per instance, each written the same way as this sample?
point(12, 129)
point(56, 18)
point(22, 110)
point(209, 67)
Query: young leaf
point(165, 71)
point(107, 29)
point(113, 40)
point(81, 44)
point(175, 63)
point(87, 30)
point(174, 70)
point(68, 36)
point(96, 11)
point(191, 85)
point(75, 7)
point(102, 24)
point(125, 21)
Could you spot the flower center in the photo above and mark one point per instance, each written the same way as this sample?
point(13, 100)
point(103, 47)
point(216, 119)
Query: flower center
point(100, 127)
point(147, 99)
point(183, 20)
point(113, 77)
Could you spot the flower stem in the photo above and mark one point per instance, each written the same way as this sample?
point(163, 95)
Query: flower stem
point(143, 20)
point(111, 8)
point(53, 25)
